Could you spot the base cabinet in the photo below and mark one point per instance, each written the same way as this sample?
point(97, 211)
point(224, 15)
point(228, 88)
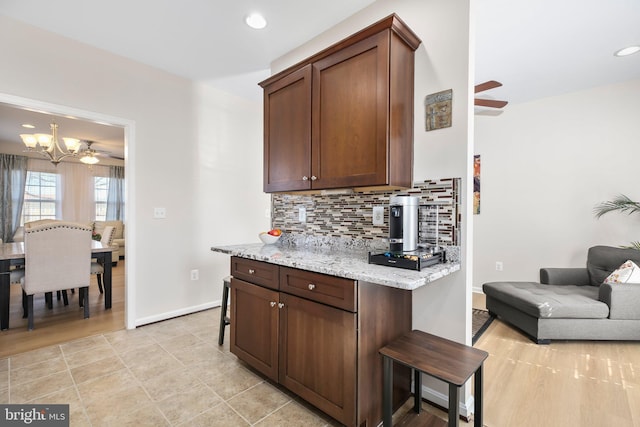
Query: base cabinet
point(318, 346)
point(326, 354)
point(254, 336)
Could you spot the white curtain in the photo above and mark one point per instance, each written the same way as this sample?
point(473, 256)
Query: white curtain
point(77, 202)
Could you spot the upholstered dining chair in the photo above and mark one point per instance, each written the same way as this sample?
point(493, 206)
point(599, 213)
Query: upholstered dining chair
point(96, 267)
point(57, 257)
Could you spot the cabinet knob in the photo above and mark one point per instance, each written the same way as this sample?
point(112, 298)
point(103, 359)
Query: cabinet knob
point(311, 286)
point(280, 304)
point(251, 271)
point(313, 177)
point(305, 178)
point(272, 303)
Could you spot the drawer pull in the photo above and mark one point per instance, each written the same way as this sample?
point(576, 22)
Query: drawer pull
point(313, 177)
point(273, 303)
point(251, 271)
point(305, 178)
point(280, 304)
point(311, 286)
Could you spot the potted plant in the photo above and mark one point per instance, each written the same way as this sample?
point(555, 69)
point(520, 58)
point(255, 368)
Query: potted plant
point(623, 204)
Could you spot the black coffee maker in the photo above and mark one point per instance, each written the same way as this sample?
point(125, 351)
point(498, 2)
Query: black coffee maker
point(403, 223)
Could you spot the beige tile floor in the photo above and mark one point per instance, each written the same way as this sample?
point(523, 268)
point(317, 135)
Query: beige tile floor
point(171, 373)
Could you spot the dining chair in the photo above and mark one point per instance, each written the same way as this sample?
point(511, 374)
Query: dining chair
point(96, 267)
point(57, 257)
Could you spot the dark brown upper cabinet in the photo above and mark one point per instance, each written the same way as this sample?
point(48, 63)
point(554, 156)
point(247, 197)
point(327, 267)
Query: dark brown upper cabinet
point(343, 118)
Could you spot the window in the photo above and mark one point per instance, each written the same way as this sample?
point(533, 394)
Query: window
point(40, 197)
point(101, 189)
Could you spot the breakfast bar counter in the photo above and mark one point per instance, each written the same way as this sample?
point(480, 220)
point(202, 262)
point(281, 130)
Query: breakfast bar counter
point(351, 263)
point(311, 315)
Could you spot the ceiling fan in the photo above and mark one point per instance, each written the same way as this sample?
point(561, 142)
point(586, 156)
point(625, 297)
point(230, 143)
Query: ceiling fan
point(89, 155)
point(493, 103)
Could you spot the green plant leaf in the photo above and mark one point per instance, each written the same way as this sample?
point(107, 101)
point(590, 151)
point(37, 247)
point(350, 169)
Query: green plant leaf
point(621, 203)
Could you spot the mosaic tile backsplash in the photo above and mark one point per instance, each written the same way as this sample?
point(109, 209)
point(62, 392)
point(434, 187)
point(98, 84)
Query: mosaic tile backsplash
point(350, 215)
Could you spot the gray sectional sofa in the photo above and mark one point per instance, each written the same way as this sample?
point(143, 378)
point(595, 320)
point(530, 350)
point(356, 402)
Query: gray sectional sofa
point(572, 303)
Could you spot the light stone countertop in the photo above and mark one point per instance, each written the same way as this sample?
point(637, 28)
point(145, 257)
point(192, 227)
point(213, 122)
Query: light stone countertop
point(348, 263)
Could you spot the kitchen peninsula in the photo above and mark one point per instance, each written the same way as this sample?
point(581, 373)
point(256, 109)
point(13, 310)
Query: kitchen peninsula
point(313, 317)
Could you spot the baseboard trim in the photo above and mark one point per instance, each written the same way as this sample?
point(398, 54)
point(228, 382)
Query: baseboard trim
point(177, 313)
point(442, 401)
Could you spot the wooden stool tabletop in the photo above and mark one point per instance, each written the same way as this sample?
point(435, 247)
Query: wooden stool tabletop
point(439, 357)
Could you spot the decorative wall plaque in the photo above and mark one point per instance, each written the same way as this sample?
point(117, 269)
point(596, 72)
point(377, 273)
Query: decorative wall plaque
point(438, 110)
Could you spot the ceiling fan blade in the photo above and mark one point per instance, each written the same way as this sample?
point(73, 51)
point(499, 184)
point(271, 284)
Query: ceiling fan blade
point(493, 103)
point(491, 84)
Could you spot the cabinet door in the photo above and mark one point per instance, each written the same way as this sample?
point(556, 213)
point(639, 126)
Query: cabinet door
point(287, 132)
point(350, 109)
point(318, 355)
point(254, 326)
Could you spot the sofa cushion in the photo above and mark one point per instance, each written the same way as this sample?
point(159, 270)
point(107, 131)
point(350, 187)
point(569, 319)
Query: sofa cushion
point(603, 260)
point(549, 301)
point(99, 226)
point(626, 273)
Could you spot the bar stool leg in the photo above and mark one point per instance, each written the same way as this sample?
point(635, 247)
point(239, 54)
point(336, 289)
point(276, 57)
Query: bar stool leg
point(477, 406)
point(454, 408)
point(224, 319)
point(387, 392)
point(417, 391)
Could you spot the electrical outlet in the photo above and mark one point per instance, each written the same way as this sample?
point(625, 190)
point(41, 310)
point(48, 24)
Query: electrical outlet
point(302, 214)
point(499, 266)
point(159, 213)
point(195, 274)
point(378, 215)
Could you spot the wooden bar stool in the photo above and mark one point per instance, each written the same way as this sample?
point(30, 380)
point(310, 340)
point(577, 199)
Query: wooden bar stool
point(224, 319)
point(446, 360)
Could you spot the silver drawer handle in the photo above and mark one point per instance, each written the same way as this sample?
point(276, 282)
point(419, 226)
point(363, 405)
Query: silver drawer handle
point(251, 271)
point(305, 178)
point(311, 286)
point(280, 305)
point(313, 177)
point(273, 303)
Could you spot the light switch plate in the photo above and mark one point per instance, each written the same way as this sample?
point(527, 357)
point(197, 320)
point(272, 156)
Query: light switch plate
point(378, 215)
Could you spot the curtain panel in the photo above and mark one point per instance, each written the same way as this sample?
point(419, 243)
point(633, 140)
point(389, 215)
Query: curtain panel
point(13, 178)
point(115, 194)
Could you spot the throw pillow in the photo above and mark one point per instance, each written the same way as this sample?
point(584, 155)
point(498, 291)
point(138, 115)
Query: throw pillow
point(628, 272)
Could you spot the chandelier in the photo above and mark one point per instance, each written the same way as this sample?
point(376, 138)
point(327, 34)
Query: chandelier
point(49, 147)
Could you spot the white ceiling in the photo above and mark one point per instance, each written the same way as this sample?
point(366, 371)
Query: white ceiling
point(535, 48)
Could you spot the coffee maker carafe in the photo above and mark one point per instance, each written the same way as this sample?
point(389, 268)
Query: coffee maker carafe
point(403, 223)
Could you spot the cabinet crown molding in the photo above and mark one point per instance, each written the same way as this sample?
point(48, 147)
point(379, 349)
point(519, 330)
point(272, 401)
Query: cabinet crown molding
point(391, 22)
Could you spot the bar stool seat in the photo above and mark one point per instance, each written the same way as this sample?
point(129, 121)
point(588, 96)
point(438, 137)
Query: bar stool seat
point(224, 319)
point(446, 360)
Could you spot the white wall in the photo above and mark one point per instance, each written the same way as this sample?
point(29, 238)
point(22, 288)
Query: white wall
point(179, 133)
point(545, 165)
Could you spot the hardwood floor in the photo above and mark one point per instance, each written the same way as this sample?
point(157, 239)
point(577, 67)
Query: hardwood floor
point(565, 383)
point(63, 323)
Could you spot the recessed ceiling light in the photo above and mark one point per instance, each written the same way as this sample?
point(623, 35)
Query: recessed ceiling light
point(28, 126)
point(255, 20)
point(629, 50)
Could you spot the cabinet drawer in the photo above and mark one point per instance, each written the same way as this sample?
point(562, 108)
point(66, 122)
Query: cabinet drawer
point(258, 272)
point(331, 290)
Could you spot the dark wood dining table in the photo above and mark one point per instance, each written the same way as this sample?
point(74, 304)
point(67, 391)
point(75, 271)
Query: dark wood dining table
point(12, 254)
